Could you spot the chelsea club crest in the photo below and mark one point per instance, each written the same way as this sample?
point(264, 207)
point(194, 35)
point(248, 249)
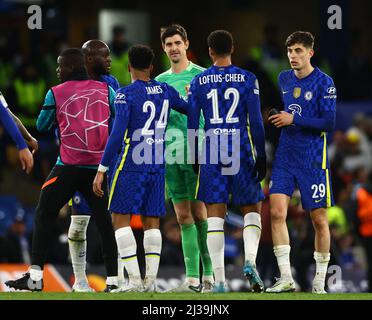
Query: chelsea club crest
point(308, 95)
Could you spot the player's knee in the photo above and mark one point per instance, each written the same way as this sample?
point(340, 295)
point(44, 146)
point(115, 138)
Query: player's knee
point(199, 211)
point(78, 228)
point(184, 217)
point(277, 214)
point(149, 224)
point(200, 216)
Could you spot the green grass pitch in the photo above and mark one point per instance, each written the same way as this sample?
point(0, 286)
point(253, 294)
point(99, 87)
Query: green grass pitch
point(179, 296)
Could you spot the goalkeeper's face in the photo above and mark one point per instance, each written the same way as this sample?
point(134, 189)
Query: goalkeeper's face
point(299, 56)
point(175, 48)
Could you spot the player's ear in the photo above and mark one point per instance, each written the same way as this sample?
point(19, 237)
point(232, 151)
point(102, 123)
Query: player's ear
point(187, 44)
point(311, 53)
point(232, 49)
point(151, 68)
point(211, 53)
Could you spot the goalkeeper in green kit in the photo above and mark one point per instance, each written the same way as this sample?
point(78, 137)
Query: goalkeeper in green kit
point(181, 180)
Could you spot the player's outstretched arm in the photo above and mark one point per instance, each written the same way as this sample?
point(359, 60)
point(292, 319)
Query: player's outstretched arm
point(27, 160)
point(177, 102)
point(25, 155)
point(30, 140)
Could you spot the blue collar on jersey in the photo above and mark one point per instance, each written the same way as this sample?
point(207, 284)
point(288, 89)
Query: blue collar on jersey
point(309, 76)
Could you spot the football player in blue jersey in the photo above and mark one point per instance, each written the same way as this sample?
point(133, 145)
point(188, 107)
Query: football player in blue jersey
point(301, 160)
point(142, 111)
point(98, 63)
point(229, 99)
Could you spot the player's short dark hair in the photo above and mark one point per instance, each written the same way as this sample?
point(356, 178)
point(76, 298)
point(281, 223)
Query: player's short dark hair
point(221, 42)
point(74, 56)
point(172, 30)
point(302, 37)
point(140, 56)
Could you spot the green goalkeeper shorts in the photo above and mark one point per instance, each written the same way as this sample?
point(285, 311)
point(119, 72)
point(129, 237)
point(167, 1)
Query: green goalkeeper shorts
point(180, 182)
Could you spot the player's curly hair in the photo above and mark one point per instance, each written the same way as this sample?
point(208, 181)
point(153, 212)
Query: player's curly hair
point(302, 37)
point(140, 56)
point(172, 30)
point(221, 42)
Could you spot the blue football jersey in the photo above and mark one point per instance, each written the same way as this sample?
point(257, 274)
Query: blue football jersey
point(309, 99)
point(229, 99)
point(143, 107)
point(111, 81)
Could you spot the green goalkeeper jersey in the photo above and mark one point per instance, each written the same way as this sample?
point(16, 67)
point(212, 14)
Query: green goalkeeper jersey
point(181, 82)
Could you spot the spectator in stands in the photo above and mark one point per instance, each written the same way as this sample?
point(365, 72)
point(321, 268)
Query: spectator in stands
point(26, 95)
point(119, 55)
point(354, 154)
point(363, 217)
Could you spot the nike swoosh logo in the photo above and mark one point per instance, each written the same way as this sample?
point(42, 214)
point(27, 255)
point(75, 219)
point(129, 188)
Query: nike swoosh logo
point(195, 288)
point(284, 92)
point(316, 201)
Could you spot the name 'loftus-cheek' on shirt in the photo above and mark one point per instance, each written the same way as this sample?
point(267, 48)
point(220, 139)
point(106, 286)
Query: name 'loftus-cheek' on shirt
point(216, 78)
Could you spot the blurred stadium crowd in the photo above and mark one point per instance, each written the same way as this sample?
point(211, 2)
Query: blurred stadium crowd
point(24, 81)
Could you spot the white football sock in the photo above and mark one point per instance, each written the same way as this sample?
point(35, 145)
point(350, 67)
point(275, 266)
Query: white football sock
point(78, 245)
point(282, 256)
point(121, 278)
point(112, 281)
point(127, 247)
point(216, 247)
point(152, 242)
point(321, 260)
point(36, 274)
point(251, 236)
